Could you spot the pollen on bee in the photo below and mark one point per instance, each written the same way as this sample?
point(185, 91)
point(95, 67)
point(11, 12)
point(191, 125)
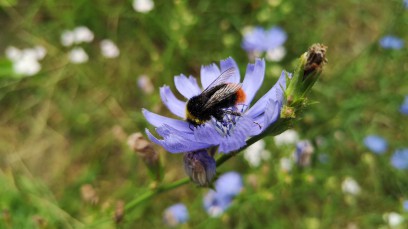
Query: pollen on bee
point(241, 96)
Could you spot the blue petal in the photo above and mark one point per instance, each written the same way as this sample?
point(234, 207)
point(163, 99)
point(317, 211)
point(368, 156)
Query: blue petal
point(229, 184)
point(238, 137)
point(376, 144)
point(215, 204)
point(174, 105)
point(275, 93)
point(404, 106)
point(230, 63)
point(272, 112)
point(276, 36)
point(176, 214)
point(208, 74)
point(400, 159)
point(391, 42)
point(254, 40)
point(188, 87)
point(158, 120)
point(207, 134)
point(254, 77)
point(175, 141)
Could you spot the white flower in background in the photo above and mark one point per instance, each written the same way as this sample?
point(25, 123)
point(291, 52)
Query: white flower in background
point(83, 34)
point(286, 164)
point(350, 186)
point(25, 61)
point(286, 138)
point(26, 66)
point(144, 83)
point(143, 6)
point(276, 54)
point(78, 56)
point(109, 49)
point(13, 53)
point(67, 38)
point(76, 36)
point(40, 52)
point(393, 219)
point(256, 153)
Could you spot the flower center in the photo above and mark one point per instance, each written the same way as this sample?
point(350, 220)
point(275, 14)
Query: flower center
point(231, 118)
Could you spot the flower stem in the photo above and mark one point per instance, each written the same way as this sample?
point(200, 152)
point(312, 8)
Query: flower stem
point(149, 194)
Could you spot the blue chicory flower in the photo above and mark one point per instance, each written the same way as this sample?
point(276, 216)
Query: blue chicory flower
point(179, 136)
point(227, 187)
point(405, 205)
point(215, 204)
point(376, 144)
point(405, 2)
point(400, 159)
point(175, 215)
point(404, 106)
point(391, 42)
point(229, 184)
point(261, 40)
point(200, 167)
point(303, 153)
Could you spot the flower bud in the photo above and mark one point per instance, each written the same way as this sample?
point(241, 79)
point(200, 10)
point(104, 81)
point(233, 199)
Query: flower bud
point(315, 60)
point(200, 167)
point(148, 154)
point(310, 67)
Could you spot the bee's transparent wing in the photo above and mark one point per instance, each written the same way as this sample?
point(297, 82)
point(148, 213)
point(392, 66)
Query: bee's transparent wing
point(222, 94)
point(223, 78)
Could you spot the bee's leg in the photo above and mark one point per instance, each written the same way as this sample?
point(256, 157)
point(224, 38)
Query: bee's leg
point(219, 116)
point(231, 112)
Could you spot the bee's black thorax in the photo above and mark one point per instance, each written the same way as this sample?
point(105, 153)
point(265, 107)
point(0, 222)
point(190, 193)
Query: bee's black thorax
point(196, 114)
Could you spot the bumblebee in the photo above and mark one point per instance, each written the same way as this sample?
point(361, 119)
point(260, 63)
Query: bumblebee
point(215, 100)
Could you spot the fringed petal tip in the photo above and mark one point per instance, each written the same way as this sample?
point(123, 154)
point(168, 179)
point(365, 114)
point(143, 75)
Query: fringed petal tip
point(174, 105)
point(253, 80)
point(208, 74)
point(188, 87)
point(230, 63)
point(158, 121)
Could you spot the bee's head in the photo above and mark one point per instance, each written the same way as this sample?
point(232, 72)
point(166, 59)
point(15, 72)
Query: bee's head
point(195, 105)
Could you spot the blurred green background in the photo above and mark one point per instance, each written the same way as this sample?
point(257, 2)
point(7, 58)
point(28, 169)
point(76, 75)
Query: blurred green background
point(64, 129)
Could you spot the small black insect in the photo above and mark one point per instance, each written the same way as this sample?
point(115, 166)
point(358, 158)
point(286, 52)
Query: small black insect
point(215, 100)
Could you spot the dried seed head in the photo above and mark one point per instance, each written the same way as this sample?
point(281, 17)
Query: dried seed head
point(119, 211)
point(144, 148)
point(89, 194)
point(316, 58)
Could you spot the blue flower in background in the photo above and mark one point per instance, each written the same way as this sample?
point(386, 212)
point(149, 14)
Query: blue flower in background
point(376, 144)
point(175, 215)
point(227, 187)
point(405, 205)
point(404, 106)
point(406, 3)
point(391, 42)
point(259, 40)
point(400, 159)
point(215, 204)
point(303, 153)
point(229, 184)
point(231, 134)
